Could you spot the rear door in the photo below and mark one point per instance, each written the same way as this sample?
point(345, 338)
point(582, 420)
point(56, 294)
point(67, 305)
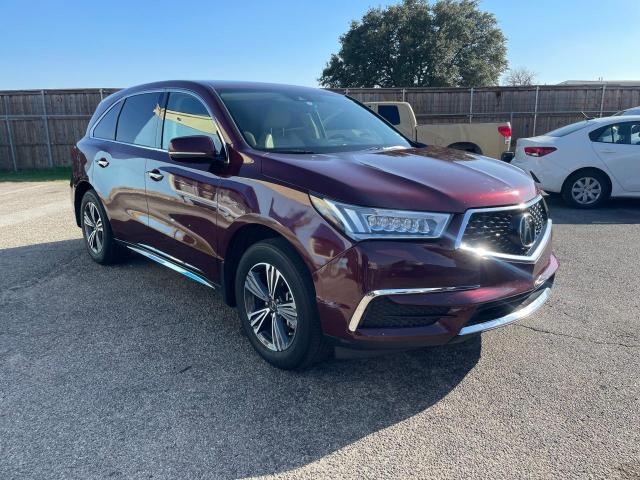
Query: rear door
point(618, 146)
point(181, 196)
point(129, 136)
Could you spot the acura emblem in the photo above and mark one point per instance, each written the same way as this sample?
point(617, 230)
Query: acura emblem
point(526, 230)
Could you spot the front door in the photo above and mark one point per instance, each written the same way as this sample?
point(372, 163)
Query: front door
point(181, 196)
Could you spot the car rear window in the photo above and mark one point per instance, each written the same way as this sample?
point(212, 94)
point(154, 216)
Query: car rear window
point(567, 129)
point(390, 113)
point(106, 127)
point(138, 122)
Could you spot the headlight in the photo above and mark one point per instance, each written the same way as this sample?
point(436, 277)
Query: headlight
point(359, 223)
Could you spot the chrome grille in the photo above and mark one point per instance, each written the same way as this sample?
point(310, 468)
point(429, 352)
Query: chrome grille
point(495, 230)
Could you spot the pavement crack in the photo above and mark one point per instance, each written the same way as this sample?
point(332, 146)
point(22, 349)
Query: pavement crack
point(45, 276)
point(575, 337)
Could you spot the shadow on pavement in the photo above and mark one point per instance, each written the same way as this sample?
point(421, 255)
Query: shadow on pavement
point(132, 370)
point(615, 211)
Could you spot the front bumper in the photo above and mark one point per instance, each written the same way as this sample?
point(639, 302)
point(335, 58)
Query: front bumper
point(451, 293)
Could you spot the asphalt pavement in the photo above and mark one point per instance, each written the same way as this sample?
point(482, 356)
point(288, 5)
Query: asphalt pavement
point(133, 371)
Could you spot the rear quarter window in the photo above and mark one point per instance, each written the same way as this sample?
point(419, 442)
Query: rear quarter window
point(106, 127)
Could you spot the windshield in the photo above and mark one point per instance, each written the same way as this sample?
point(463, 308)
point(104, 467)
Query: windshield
point(567, 129)
point(306, 121)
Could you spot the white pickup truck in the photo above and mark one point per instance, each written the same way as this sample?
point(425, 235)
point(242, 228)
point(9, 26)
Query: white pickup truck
point(490, 139)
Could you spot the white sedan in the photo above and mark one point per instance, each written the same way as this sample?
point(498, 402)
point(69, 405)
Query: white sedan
point(587, 162)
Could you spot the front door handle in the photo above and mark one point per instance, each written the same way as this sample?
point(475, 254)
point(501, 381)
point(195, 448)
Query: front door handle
point(607, 151)
point(155, 175)
point(103, 162)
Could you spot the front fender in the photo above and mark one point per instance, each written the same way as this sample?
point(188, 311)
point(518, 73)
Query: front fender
point(285, 210)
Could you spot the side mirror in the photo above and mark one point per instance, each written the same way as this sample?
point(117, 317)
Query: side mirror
point(192, 149)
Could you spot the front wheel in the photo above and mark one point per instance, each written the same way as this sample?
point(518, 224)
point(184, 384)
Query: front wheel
point(586, 189)
point(276, 304)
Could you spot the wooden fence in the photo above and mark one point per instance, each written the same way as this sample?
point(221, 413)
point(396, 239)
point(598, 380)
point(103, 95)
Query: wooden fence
point(38, 128)
point(531, 110)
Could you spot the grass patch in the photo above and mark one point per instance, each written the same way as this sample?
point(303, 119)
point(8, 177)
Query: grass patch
point(57, 173)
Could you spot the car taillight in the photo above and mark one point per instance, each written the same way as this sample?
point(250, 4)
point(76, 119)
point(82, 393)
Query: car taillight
point(539, 151)
point(504, 130)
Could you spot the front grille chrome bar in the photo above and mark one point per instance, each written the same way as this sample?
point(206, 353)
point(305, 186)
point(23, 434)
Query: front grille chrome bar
point(530, 258)
point(510, 318)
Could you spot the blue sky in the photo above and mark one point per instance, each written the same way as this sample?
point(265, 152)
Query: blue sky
point(121, 43)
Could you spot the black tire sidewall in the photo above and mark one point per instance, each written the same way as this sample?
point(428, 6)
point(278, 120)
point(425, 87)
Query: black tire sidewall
point(284, 259)
point(604, 183)
point(106, 254)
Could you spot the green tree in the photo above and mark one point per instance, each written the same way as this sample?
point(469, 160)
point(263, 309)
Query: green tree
point(417, 44)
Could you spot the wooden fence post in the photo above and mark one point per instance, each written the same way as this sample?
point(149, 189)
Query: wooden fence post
point(535, 111)
point(46, 128)
point(12, 147)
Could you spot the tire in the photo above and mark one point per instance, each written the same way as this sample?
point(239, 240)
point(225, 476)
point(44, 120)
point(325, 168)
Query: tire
point(271, 328)
point(102, 246)
point(586, 189)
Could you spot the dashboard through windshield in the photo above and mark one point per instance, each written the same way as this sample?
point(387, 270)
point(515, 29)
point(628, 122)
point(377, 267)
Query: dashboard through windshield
point(306, 121)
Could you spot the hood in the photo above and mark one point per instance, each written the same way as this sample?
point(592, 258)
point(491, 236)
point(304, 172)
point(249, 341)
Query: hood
point(430, 179)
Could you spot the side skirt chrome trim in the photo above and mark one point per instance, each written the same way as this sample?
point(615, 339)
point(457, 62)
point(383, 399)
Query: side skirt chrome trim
point(167, 263)
point(507, 319)
point(362, 306)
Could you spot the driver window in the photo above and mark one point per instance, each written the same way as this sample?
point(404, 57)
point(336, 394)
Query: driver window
point(185, 116)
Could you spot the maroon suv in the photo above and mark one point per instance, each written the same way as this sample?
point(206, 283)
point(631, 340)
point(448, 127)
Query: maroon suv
point(314, 216)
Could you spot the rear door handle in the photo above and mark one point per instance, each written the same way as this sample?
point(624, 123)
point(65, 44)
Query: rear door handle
point(103, 162)
point(155, 175)
point(608, 151)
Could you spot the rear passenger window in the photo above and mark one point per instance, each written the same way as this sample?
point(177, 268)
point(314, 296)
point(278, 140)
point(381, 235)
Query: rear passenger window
point(106, 127)
point(627, 133)
point(186, 116)
point(390, 113)
point(139, 120)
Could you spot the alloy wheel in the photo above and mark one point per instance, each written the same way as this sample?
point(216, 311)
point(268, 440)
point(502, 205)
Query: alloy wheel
point(586, 190)
point(93, 227)
point(270, 307)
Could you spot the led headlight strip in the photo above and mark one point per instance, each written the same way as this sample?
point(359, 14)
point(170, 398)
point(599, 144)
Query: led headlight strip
point(361, 223)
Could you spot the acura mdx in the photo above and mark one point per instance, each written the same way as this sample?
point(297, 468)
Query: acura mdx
point(312, 215)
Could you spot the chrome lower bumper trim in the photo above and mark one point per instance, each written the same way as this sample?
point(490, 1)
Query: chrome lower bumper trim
point(507, 319)
point(362, 306)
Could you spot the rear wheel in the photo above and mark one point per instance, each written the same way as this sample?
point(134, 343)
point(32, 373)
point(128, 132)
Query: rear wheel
point(96, 230)
point(276, 303)
point(586, 189)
